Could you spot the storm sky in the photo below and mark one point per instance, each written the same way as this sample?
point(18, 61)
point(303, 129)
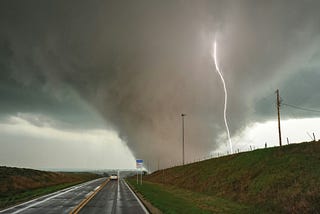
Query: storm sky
point(95, 84)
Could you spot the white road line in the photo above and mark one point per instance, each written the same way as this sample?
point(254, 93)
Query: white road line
point(46, 197)
point(36, 199)
point(142, 206)
point(40, 202)
point(88, 194)
point(118, 196)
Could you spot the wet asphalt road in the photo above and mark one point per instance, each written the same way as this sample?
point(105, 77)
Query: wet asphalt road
point(56, 203)
point(114, 198)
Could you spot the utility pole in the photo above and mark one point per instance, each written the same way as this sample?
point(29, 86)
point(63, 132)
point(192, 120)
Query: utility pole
point(278, 109)
point(183, 115)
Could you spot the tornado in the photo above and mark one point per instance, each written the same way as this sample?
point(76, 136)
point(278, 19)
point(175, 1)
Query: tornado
point(225, 94)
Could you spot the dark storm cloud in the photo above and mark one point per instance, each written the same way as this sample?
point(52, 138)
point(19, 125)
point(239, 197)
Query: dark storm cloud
point(143, 63)
point(300, 90)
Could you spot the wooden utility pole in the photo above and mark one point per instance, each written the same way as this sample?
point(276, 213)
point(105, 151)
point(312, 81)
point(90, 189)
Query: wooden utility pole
point(278, 109)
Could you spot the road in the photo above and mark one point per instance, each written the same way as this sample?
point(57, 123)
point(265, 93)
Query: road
point(114, 198)
point(60, 202)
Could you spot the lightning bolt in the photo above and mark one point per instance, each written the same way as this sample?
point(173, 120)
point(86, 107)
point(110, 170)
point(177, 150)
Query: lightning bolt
point(225, 94)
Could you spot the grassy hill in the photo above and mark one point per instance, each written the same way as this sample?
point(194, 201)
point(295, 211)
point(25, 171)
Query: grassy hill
point(273, 180)
point(19, 184)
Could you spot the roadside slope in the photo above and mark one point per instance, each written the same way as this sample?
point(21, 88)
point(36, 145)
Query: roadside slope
point(285, 179)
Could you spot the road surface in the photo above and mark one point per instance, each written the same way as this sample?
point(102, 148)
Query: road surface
point(60, 202)
point(114, 198)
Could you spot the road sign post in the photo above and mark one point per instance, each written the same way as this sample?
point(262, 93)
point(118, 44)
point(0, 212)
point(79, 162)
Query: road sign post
point(139, 165)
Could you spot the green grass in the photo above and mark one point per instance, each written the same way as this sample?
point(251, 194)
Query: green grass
point(285, 180)
point(170, 199)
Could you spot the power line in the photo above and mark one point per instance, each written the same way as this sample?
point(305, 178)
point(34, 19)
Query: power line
point(301, 108)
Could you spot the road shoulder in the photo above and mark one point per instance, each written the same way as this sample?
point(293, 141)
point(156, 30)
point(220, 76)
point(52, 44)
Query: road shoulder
point(152, 209)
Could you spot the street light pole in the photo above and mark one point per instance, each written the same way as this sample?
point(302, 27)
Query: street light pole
point(182, 116)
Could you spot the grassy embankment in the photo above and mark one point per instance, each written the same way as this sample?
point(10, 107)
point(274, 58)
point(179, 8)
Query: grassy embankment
point(272, 180)
point(18, 185)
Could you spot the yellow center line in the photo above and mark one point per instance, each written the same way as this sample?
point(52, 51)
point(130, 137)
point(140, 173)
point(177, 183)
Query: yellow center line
point(87, 199)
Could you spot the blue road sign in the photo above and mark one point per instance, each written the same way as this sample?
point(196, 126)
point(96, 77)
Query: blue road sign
point(139, 163)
